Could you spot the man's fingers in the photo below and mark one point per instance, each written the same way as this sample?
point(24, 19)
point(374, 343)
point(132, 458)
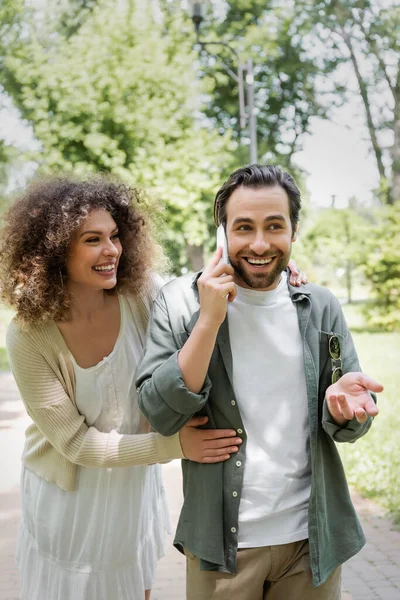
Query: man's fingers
point(213, 262)
point(345, 408)
point(228, 288)
point(225, 279)
point(232, 295)
point(369, 383)
point(215, 259)
point(338, 408)
point(221, 269)
point(371, 408)
point(360, 415)
point(334, 407)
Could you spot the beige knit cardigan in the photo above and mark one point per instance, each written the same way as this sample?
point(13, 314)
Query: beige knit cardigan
point(58, 440)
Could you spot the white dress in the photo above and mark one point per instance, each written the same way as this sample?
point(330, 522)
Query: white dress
point(101, 541)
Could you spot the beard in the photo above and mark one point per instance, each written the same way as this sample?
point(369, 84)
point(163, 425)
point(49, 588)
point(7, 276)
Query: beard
point(262, 281)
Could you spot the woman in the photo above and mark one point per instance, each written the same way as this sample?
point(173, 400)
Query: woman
point(75, 264)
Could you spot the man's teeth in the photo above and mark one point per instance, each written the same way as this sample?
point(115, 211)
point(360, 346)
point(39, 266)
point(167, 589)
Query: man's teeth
point(106, 268)
point(259, 261)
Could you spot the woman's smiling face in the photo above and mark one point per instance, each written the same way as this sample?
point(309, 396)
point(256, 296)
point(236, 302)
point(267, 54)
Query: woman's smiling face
point(259, 234)
point(95, 252)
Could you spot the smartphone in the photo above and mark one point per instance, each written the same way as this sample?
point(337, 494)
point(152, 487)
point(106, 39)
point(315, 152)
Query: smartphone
point(222, 243)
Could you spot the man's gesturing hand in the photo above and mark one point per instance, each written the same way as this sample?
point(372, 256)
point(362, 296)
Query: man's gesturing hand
point(215, 287)
point(349, 397)
point(207, 445)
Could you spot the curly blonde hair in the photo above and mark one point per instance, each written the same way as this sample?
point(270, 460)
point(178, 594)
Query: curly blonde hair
point(37, 231)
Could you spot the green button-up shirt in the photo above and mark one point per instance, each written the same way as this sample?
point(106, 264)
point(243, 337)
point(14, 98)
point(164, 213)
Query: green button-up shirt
point(208, 524)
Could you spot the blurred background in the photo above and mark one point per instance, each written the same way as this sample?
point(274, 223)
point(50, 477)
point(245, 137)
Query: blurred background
point(172, 95)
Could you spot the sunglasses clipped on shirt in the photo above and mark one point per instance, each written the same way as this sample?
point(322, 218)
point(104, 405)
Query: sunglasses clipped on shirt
point(336, 357)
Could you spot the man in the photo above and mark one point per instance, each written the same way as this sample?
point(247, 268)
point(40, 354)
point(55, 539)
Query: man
point(277, 364)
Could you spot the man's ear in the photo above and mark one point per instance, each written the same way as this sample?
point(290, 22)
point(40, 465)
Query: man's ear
point(294, 236)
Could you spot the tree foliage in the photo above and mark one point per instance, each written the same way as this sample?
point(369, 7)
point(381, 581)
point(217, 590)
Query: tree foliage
point(115, 95)
point(335, 239)
point(365, 34)
point(271, 34)
point(359, 244)
point(8, 158)
point(113, 86)
point(383, 270)
point(299, 50)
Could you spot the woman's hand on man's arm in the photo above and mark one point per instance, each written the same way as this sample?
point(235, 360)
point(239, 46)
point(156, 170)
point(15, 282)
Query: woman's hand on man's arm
point(207, 445)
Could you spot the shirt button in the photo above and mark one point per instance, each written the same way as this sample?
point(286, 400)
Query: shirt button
point(238, 463)
point(233, 402)
point(233, 529)
point(234, 494)
point(240, 430)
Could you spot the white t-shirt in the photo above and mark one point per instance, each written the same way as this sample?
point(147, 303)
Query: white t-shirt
point(270, 388)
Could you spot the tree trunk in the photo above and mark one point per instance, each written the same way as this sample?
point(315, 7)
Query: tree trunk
point(196, 256)
point(365, 98)
point(395, 150)
point(394, 193)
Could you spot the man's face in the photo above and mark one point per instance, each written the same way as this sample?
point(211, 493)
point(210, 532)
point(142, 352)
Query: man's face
point(259, 235)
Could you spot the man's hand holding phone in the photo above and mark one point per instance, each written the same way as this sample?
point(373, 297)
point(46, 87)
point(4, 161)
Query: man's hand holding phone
point(216, 288)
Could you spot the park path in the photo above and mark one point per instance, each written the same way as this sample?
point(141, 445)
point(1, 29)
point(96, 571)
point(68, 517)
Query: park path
point(374, 574)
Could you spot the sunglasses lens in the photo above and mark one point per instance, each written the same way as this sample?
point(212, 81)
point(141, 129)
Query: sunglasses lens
point(334, 347)
point(336, 374)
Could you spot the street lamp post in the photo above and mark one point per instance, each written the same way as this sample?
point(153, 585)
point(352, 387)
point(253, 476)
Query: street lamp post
point(246, 113)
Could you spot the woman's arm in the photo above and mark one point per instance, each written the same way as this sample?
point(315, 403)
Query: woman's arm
point(51, 409)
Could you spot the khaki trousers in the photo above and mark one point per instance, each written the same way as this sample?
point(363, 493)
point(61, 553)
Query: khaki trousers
point(271, 573)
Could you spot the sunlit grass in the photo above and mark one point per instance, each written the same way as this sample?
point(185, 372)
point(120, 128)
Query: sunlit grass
point(373, 463)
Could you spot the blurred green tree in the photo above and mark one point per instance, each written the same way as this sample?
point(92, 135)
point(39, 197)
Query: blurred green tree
point(117, 95)
point(364, 34)
point(383, 269)
point(336, 241)
point(272, 34)
point(8, 158)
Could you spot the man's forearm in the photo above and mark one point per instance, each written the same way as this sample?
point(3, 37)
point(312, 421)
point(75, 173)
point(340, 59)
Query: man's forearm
point(194, 357)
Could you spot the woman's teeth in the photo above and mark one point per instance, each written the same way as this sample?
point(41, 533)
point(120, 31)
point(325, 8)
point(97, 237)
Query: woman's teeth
point(106, 268)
